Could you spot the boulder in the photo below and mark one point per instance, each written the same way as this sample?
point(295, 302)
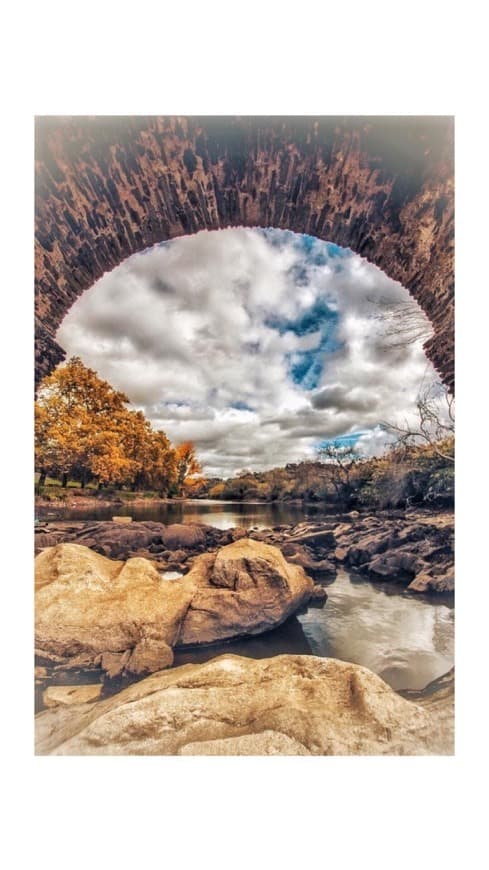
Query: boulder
point(176, 555)
point(246, 588)
point(318, 568)
point(234, 705)
point(119, 615)
point(318, 596)
point(46, 539)
point(322, 537)
point(116, 540)
point(125, 617)
point(425, 582)
point(237, 533)
point(340, 554)
point(183, 536)
point(396, 565)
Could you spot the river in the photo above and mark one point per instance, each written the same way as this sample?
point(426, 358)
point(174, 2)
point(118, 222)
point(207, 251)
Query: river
point(221, 514)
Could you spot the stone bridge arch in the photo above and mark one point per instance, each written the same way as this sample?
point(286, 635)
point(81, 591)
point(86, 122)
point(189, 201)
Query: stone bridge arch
point(108, 187)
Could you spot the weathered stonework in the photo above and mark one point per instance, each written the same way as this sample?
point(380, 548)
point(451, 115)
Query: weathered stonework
point(109, 187)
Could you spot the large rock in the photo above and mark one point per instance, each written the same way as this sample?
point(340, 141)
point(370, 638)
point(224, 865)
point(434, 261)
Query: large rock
point(322, 569)
point(426, 582)
point(92, 610)
point(232, 705)
point(118, 541)
point(124, 616)
point(247, 588)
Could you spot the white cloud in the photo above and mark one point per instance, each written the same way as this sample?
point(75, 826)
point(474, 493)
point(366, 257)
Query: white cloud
point(202, 334)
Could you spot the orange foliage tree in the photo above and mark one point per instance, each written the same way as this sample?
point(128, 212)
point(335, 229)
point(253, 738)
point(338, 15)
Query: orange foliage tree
point(84, 430)
point(187, 464)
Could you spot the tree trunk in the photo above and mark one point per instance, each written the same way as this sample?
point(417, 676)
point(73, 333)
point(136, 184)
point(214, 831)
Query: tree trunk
point(42, 479)
point(64, 480)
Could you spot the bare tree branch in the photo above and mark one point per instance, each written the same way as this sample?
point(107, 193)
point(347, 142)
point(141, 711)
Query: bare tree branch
point(434, 427)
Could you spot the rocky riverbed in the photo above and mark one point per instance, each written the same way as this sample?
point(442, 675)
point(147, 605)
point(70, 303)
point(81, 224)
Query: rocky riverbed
point(416, 551)
point(106, 615)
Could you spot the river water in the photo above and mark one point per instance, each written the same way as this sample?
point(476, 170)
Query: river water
point(221, 514)
point(405, 638)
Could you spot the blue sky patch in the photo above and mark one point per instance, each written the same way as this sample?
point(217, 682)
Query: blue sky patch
point(306, 367)
point(348, 440)
point(241, 406)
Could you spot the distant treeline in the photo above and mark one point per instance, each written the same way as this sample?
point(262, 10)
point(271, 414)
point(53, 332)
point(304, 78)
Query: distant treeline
point(85, 433)
point(403, 477)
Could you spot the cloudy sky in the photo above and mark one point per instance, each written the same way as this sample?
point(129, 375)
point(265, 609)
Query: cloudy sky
point(258, 345)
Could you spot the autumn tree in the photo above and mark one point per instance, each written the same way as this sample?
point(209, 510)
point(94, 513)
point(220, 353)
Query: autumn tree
point(187, 463)
point(136, 435)
point(78, 417)
point(84, 429)
point(160, 470)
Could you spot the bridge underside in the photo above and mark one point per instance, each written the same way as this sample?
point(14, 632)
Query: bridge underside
point(107, 188)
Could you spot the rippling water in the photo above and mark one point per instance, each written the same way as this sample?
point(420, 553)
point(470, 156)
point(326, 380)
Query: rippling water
point(405, 640)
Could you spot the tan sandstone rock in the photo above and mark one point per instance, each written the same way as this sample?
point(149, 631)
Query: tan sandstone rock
point(266, 743)
point(246, 588)
point(87, 605)
point(236, 705)
point(64, 696)
point(126, 617)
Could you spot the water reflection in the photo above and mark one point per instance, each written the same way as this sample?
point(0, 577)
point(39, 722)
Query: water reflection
point(289, 638)
point(406, 640)
point(221, 514)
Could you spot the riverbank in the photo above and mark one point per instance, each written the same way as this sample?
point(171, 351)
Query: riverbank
point(76, 498)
